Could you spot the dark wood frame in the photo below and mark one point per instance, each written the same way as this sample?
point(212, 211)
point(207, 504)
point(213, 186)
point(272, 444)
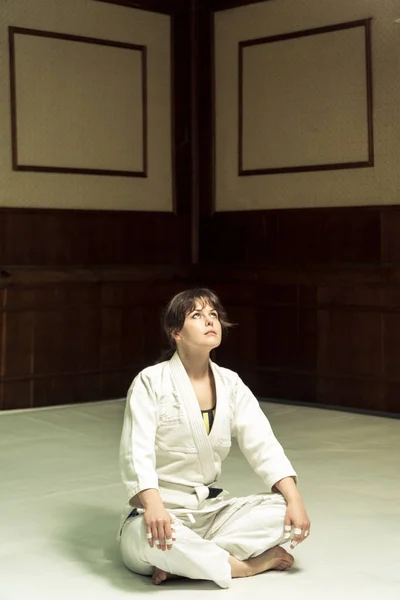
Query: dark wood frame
point(160, 6)
point(171, 6)
point(218, 5)
point(366, 23)
point(13, 31)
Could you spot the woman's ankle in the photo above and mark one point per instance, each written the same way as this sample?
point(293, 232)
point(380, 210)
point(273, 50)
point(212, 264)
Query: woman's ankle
point(239, 568)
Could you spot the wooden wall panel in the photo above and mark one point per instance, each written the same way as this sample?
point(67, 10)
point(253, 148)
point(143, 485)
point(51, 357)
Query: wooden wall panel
point(240, 349)
point(18, 343)
point(286, 385)
point(277, 295)
point(336, 236)
point(66, 389)
point(352, 393)
point(70, 238)
point(349, 343)
point(115, 384)
point(307, 340)
point(67, 340)
point(82, 337)
point(112, 334)
point(236, 238)
point(391, 344)
point(391, 235)
point(350, 296)
point(307, 295)
point(16, 394)
point(321, 288)
point(2, 343)
point(390, 296)
point(333, 236)
point(390, 402)
point(275, 327)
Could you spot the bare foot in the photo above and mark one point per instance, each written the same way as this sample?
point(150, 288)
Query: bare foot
point(275, 559)
point(159, 576)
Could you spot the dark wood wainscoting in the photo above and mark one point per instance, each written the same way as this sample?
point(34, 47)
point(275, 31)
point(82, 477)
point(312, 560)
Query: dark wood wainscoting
point(49, 237)
point(80, 296)
point(80, 335)
point(316, 295)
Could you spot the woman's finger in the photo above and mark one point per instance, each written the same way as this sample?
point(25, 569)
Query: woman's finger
point(287, 532)
point(173, 530)
point(288, 527)
point(168, 536)
point(298, 535)
point(307, 529)
point(149, 535)
point(154, 531)
point(161, 533)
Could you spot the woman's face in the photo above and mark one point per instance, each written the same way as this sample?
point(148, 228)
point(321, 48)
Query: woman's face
point(202, 328)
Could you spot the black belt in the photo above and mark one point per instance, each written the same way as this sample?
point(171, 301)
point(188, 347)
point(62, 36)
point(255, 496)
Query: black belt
point(132, 514)
point(214, 492)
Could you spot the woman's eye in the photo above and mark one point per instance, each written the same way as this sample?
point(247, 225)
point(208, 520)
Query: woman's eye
point(195, 315)
point(214, 314)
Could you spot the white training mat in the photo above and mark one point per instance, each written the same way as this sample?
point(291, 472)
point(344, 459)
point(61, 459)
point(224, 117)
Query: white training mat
point(61, 497)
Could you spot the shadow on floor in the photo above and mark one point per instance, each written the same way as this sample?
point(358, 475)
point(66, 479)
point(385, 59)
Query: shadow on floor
point(90, 538)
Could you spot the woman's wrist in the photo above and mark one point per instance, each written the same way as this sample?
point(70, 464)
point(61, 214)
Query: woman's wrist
point(289, 490)
point(295, 499)
point(150, 497)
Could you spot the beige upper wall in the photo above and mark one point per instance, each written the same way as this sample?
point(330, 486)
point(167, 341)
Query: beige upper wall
point(366, 186)
point(101, 88)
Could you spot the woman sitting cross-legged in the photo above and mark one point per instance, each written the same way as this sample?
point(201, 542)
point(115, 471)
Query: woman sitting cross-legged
point(180, 417)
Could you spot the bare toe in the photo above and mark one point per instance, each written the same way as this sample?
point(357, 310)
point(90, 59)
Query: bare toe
point(159, 576)
point(283, 565)
point(286, 560)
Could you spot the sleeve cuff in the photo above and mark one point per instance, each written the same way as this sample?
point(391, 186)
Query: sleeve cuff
point(272, 481)
point(134, 490)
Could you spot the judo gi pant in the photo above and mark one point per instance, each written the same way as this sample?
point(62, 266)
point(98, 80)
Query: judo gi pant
point(240, 527)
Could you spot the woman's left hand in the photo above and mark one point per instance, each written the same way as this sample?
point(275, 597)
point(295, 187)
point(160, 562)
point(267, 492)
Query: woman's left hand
point(297, 523)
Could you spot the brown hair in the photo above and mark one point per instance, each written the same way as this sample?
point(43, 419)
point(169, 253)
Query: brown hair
point(184, 303)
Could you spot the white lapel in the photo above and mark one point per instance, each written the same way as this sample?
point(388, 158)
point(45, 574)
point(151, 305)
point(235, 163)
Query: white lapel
point(201, 439)
point(222, 408)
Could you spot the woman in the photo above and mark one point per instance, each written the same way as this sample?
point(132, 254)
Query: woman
point(179, 420)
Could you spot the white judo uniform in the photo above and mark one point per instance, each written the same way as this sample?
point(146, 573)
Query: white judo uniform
point(165, 446)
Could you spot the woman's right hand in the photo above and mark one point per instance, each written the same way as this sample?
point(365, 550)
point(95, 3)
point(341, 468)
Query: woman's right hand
point(160, 529)
point(159, 526)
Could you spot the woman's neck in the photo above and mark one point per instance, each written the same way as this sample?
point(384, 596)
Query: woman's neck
point(197, 364)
